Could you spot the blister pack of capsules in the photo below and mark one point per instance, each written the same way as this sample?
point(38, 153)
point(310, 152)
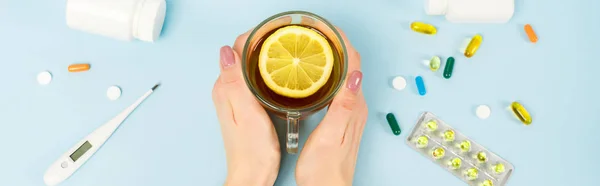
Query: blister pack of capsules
point(456, 153)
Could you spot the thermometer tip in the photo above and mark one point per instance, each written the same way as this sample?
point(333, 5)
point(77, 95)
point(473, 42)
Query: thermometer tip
point(155, 86)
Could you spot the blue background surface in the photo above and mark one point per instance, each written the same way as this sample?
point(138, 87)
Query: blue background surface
point(174, 137)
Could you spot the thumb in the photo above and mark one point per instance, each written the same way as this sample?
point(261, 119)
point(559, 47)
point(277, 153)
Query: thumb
point(332, 128)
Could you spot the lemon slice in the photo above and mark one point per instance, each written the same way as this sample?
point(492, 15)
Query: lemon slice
point(295, 61)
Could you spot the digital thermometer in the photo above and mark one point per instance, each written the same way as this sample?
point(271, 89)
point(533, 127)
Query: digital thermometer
point(69, 162)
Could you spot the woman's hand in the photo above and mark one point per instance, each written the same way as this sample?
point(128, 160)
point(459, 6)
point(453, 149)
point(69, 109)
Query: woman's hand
point(330, 153)
point(250, 140)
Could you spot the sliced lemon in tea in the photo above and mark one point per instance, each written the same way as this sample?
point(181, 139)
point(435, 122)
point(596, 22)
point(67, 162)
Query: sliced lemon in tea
point(295, 61)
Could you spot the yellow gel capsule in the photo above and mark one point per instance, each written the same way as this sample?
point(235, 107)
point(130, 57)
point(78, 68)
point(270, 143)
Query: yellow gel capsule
point(521, 113)
point(431, 125)
point(473, 46)
point(487, 183)
point(422, 142)
point(465, 146)
point(438, 153)
point(498, 168)
point(455, 163)
point(448, 135)
point(472, 174)
point(423, 28)
point(481, 157)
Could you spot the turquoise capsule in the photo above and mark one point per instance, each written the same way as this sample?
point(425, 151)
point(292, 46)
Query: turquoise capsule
point(449, 68)
point(391, 119)
point(420, 85)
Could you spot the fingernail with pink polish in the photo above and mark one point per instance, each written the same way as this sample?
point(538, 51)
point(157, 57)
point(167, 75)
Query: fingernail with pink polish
point(354, 81)
point(227, 58)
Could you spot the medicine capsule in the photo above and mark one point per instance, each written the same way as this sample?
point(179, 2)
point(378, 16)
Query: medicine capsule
point(423, 28)
point(473, 46)
point(393, 123)
point(431, 125)
point(449, 68)
point(472, 174)
point(79, 67)
point(465, 146)
point(438, 153)
point(530, 33)
point(498, 168)
point(422, 142)
point(434, 63)
point(420, 85)
point(455, 163)
point(448, 135)
point(521, 113)
point(481, 157)
point(487, 183)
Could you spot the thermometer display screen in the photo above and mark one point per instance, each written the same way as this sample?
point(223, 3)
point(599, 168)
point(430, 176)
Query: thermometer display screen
point(81, 150)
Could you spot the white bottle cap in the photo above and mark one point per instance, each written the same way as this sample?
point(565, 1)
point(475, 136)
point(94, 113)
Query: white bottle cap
point(149, 20)
point(436, 7)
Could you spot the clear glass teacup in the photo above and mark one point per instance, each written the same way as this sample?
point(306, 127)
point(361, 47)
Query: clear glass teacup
point(287, 108)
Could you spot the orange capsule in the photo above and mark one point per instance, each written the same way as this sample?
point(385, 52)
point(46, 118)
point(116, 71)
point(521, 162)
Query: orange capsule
point(530, 33)
point(79, 67)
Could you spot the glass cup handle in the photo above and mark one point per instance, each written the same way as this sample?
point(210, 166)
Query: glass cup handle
point(293, 126)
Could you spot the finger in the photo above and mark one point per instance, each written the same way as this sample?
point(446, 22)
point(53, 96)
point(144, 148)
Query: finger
point(240, 41)
point(345, 38)
point(232, 86)
point(333, 127)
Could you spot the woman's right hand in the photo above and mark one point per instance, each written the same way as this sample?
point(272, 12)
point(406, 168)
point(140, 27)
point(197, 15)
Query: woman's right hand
point(330, 153)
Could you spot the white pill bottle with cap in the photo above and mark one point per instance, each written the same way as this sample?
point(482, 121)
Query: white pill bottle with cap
point(472, 11)
point(120, 19)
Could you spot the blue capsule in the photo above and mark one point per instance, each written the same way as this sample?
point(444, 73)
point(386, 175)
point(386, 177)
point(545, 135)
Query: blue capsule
point(420, 85)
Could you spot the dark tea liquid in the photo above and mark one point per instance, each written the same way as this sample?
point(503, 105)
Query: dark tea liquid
point(287, 102)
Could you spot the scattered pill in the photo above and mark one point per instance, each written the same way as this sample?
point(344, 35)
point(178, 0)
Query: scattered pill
point(44, 78)
point(449, 68)
point(455, 163)
point(113, 93)
point(399, 83)
point(438, 153)
point(420, 85)
point(423, 28)
point(530, 33)
point(422, 142)
point(521, 113)
point(472, 174)
point(473, 46)
point(465, 146)
point(498, 168)
point(79, 67)
point(391, 119)
point(487, 183)
point(434, 63)
point(448, 135)
point(483, 111)
point(431, 125)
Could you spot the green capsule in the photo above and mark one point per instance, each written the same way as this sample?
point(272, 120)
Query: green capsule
point(449, 67)
point(434, 63)
point(393, 123)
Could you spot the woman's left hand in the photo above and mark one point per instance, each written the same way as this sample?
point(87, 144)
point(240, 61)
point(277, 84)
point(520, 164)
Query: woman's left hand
point(249, 136)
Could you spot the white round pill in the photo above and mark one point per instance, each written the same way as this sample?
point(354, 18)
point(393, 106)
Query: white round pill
point(399, 83)
point(113, 93)
point(483, 112)
point(44, 78)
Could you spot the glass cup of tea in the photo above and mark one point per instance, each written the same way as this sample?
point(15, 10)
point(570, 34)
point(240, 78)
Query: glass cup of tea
point(294, 109)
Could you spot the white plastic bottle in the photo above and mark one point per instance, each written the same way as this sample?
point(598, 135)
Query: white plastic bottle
point(119, 19)
point(472, 11)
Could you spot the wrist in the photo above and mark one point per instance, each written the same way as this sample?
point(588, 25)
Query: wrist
point(250, 178)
